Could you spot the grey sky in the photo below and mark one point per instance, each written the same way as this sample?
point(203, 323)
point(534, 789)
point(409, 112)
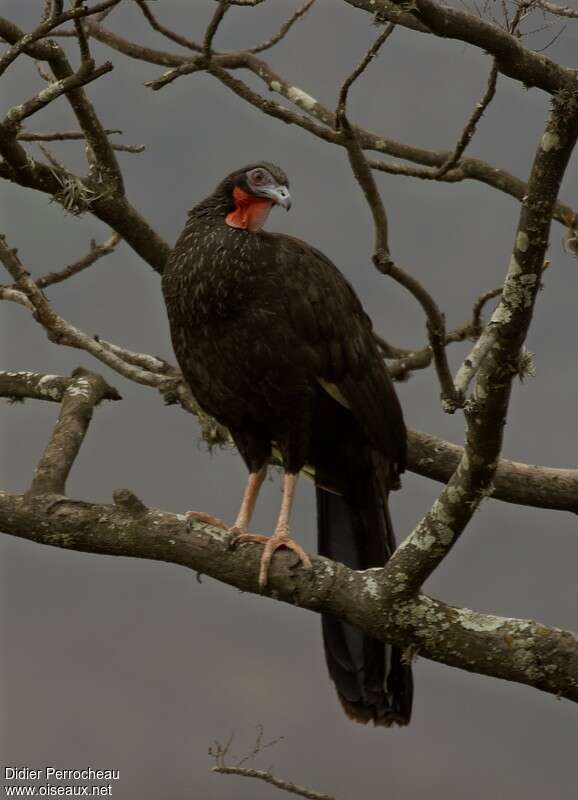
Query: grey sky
point(132, 665)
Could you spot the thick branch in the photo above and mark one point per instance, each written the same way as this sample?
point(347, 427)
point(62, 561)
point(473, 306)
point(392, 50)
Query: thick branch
point(514, 482)
point(512, 57)
point(84, 392)
point(116, 212)
point(21, 385)
point(438, 531)
point(523, 484)
point(547, 657)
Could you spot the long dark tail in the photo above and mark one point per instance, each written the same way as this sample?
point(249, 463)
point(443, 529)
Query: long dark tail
point(372, 682)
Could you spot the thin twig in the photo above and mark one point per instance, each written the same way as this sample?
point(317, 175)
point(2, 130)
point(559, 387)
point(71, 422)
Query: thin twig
point(14, 296)
point(147, 362)
point(96, 252)
point(469, 168)
point(172, 35)
point(80, 34)
point(474, 359)
point(213, 26)
point(479, 307)
point(62, 332)
point(56, 18)
point(86, 73)
point(71, 136)
point(220, 753)
point(470, 129)
point(361, 67)
point(559, 11)
point(284, 30)
point(57, 136)
point(52, 160)
point(381, 257)
point(279, 783)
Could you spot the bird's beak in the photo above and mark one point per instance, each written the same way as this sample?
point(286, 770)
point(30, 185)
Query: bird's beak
point(278, 194)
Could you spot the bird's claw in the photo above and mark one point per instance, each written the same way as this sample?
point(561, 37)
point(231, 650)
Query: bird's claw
point(238, 536)
point(208, 519)
point(273, 543)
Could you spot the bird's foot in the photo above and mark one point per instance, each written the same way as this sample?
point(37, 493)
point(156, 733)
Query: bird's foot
point(238, 536)
point(272, 544)
point(208, 519)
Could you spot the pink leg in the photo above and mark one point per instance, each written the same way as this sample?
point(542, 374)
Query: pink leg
point(281, 536)
point(243, 520)
point(250, 495)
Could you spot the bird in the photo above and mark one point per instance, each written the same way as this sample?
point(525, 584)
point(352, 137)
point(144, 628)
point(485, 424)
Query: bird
point(275, 345)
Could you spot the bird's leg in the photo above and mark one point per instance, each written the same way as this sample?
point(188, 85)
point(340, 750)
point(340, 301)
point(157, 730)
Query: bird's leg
point(254, 483)
point(243, 520)
point(281, 536)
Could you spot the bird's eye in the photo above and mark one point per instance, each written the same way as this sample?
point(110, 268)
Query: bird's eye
point(259, 177)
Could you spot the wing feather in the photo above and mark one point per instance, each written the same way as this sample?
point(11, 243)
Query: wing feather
point(328, 317)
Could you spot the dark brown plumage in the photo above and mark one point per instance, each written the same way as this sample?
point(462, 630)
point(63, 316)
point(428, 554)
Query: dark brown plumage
point(275, 345)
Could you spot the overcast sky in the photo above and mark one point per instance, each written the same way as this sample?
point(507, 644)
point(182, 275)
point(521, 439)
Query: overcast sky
point(133, 665)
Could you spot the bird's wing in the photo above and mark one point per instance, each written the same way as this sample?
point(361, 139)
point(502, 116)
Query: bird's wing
point(328, 318)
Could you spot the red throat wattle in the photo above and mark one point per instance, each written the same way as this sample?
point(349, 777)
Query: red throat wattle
point(250, 213)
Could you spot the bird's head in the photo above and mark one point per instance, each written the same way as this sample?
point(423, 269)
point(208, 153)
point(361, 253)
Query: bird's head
point(252, 192)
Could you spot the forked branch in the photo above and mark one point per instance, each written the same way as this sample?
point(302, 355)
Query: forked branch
point(84, 392)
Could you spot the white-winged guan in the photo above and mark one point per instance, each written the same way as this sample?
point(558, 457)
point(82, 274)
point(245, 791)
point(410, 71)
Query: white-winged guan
point(275, 345)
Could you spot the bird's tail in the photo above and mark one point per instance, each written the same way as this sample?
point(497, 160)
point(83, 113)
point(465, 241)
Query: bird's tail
point(372, 681)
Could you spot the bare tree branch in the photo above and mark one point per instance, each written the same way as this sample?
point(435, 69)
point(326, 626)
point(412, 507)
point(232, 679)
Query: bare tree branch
point(474, 360)
point(359, 70)
point(66, 136)
point(369, 600)
point(86, 74)
point(472, 480)
point(470, 129)
point(554, 8)
point(220, 752)
point(386, 603)
point(469, 168)
point(96, 252)
point(22, 385)
point(278, 783)
point(512, 57)
point(381, 257)
point(284, 30)
point(14, 296)
point(102, 193)
point(62, 332)
point(183, 41)
point(543, 487)
point(109, 171)
point(56, 18)
point(213, 26)
point(514, 482)
point(84, 392)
